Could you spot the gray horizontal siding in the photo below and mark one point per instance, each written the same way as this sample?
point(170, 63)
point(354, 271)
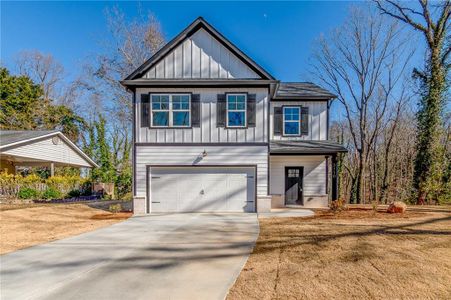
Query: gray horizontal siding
point(200, 56)
point(207, 132)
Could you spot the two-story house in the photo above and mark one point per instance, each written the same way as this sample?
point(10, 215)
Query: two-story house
point(214, 132)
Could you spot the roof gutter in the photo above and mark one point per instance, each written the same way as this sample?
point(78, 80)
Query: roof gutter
point(196, 82)
point(282, 98)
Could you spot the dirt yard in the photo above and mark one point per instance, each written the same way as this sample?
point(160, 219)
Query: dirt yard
point(356, 254)
point(22, 226)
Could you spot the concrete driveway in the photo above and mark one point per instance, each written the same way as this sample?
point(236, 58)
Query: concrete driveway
point(173, 256)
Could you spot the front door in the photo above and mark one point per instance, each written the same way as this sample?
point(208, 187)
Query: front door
point(293, 185)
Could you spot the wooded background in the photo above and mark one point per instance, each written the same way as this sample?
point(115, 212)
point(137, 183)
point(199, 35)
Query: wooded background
point(394, 115)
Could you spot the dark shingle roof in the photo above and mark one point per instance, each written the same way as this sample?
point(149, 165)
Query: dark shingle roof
point(301, 90)
point(305, 147)
point(12, 136)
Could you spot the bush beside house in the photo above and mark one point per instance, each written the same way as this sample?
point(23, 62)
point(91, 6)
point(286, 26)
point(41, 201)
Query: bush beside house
point(34, 187)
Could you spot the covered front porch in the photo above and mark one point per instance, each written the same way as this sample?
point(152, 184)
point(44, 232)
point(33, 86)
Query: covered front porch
point(303, 173)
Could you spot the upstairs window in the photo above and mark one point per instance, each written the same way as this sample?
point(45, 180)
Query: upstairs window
point(291, 120)
point(170, 110)
point(236, 110)
point(180, 110)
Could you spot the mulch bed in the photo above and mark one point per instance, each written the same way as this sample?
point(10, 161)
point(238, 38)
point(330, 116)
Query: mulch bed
point(109, 216)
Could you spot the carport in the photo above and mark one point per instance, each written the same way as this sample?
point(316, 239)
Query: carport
point(32, 148)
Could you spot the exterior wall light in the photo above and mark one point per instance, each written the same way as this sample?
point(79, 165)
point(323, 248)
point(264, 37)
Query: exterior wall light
point(204, 153)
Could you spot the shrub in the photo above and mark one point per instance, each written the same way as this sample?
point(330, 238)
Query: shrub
point(338, 205)
point(64, 184)
point(27, 193)
point(11, 184)
point(51, 193)
point(74, 193)
point(86, 188)
point(115, 208)
point(127, 197)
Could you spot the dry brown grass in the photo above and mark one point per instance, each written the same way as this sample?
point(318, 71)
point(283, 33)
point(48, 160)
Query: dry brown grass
point(27, 226)
point(357, 254)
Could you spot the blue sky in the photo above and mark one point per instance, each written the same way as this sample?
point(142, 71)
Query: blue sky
point(277, 35)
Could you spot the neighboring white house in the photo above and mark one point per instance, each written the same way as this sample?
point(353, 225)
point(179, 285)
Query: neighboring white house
point(29, 148)
point(213, 131)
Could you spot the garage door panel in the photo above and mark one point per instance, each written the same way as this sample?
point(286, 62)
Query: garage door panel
point(214, 197)
point(166, 192)
point(237, 189)
point(202, 189)
point(188, 190)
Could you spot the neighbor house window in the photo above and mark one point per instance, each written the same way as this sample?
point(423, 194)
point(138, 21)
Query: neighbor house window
point(170, 110)
point(236, 110)
point(291, 120)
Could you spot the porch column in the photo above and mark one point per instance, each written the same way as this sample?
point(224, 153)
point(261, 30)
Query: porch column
point(52, 169)
point(334, 177)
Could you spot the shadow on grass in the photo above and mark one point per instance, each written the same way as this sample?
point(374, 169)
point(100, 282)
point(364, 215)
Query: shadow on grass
point(282, 241)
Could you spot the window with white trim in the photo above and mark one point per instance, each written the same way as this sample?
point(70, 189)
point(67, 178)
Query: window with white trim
point(171, 110)
point(236, 110)
point(291, 120)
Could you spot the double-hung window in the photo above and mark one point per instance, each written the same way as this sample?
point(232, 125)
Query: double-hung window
point(180, 110)
point(170, 110)
point(236, 110)
point(291, 120)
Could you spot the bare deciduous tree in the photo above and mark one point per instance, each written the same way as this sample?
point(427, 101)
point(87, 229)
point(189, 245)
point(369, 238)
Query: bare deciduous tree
point(363, 62)
point(432, 21)
point(43, 69)
point(129, 45)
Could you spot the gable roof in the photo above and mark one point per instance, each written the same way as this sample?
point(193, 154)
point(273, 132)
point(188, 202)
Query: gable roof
point(301, 90)
point(8, 137)
point(186, 33)
point(15, 138)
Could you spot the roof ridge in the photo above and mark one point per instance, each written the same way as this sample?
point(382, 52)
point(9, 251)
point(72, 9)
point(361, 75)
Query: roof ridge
point(186, 33)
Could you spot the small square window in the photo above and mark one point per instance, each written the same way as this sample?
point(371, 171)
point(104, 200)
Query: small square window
point(160, 118)
point(180, 118)
point(236, 118)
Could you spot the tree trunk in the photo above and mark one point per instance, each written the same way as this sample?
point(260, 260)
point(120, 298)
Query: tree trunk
point(428, 160)
point(359, 178)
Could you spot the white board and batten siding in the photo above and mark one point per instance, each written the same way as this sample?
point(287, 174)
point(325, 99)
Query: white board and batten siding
point(314, 173)
point(192, 156)
point(200, 56)
point(208, 132)
point(317, 123)
point(46, 150)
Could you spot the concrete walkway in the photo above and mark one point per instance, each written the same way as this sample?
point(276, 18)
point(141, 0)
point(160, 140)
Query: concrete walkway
point(287, 213)
point(174, 256)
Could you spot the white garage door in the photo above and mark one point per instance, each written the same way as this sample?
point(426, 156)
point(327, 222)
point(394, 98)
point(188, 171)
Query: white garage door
point(202, 189)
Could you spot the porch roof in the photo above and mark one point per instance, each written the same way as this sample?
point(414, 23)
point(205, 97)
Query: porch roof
point(305, 148)
point(36, 148)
